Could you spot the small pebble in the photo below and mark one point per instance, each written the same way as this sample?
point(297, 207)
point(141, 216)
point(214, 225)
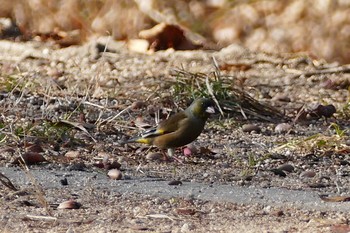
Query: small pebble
point(175, 182)
point(71, 204)
point(64, 181)
point(282, 128)
point(281, 97)
point(278, 213)
point(111, 165)
point(278, 172)
point(152, 156)
point(286, 167)
point(277, 156)
point(186, 228)
point(326, 110)
point(115, 174)
point(190, 149)
point(267, 209)
point(344, 162)
point(79, 166)
point(247, 128)
point(308, 174)
point(137, 105)
point(187, 151)
point(72, 154)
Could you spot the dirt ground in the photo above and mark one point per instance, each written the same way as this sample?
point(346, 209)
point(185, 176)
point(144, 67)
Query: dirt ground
point(101, 94)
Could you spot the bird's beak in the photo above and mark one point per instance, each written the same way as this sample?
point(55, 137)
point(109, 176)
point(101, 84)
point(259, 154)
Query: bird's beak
point(210, 110)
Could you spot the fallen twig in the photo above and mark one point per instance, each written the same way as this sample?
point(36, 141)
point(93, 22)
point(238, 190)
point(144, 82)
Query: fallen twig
point(339, 69)
point(37, 217)
point(7, 182)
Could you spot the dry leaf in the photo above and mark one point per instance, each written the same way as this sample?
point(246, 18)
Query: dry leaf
point(30, 158)
point(164, 36)
point(35, 148)
point(140, 123)
point(77, 125)
point(336, 198)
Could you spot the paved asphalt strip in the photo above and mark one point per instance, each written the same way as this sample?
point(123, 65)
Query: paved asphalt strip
point(78, 180)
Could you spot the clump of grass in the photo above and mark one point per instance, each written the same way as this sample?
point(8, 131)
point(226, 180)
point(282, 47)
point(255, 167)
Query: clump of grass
point(252, 161)
point(9, 83)
point(192, 86)
point(43, 130)
point(232, 100)
point(249, 165)
point(345, 110)
point(52, 131)
point(39, 191)
point(339, 132)
point(15, 83)
point(321, 144)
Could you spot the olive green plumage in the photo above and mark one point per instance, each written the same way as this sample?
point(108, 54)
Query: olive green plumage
point(180, 129)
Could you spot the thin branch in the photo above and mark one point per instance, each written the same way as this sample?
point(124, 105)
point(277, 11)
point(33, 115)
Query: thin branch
point(210, 91)
point(37, 217)
point(339, 69)
point(39, 190)
point(7, 182)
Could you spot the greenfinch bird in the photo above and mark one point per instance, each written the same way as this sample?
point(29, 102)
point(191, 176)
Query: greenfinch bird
point(179, 129)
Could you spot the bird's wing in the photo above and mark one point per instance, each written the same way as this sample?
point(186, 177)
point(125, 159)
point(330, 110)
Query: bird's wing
point(167, 126)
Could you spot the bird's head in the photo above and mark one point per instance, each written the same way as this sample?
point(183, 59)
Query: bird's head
point(202, 108)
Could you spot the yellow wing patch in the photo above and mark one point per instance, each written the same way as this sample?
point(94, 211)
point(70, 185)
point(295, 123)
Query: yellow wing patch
point(160, 131)
point(143, 140)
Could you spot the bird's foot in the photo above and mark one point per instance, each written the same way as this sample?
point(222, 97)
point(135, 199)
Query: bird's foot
point(171, 156)
point(181, 161)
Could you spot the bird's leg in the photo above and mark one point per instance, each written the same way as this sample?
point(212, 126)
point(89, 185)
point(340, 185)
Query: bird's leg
point(165, 157)
point(171, 153)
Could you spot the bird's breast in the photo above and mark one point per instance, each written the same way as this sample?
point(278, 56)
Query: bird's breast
point(180, 137)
